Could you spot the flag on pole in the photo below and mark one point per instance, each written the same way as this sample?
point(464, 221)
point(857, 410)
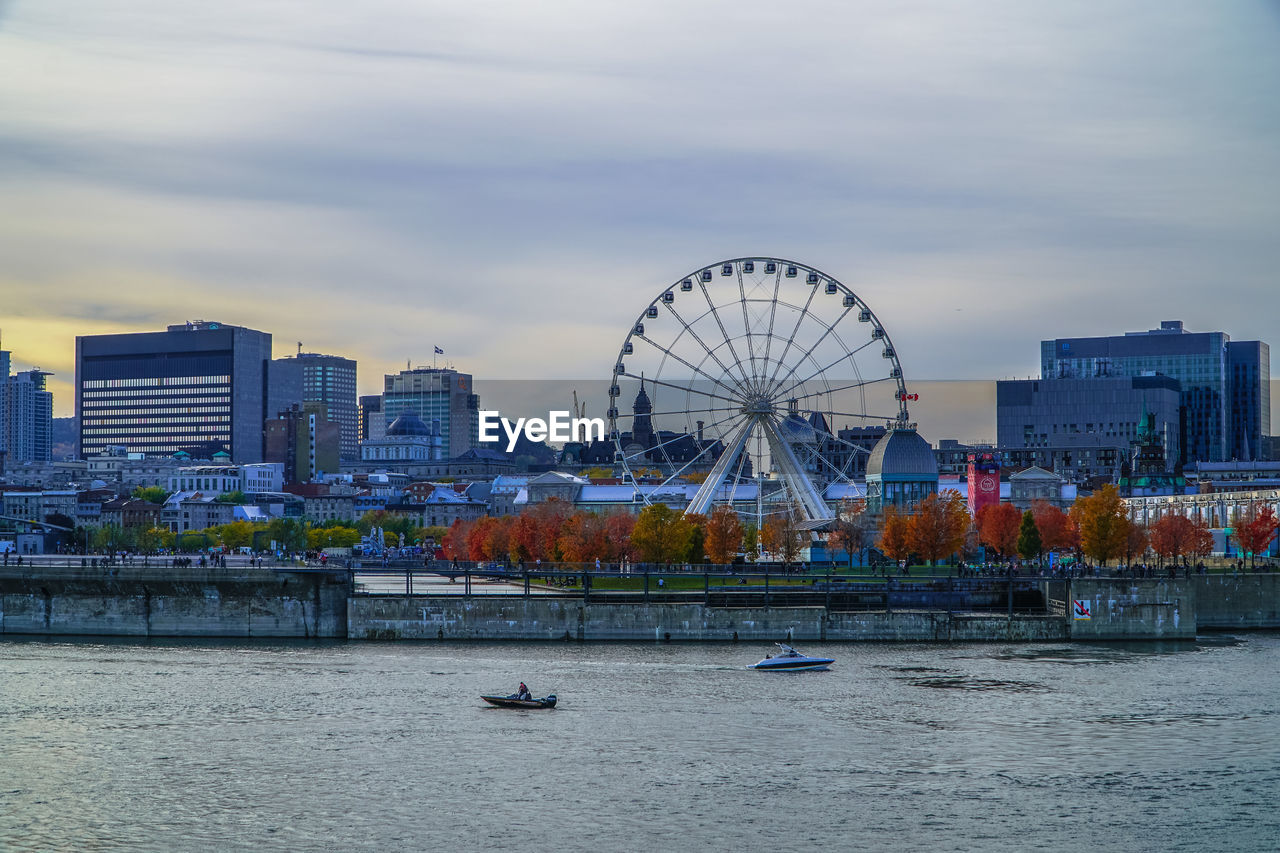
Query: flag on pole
point(439, 351)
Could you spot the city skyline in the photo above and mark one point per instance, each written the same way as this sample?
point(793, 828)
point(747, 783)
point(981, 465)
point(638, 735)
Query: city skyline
point(513, 185)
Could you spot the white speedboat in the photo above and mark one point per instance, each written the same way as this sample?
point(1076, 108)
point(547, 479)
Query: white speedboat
point(790, 660)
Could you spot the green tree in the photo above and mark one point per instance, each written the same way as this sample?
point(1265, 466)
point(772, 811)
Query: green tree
point(150, 494)
point(1029, 544)
point(237, 497)
point(289, 534)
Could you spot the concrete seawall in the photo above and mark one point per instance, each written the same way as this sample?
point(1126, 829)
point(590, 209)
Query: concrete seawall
point(239, 603)
point(156, 602)
point(1123, 609)
point(534, 618)
point(1233, 602)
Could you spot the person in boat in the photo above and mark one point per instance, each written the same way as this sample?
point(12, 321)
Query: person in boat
point(523, 692)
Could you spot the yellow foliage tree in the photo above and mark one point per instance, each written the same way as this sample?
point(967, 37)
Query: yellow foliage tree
point(661, 535)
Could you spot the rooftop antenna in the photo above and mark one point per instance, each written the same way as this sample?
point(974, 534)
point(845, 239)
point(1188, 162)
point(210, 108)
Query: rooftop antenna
point(299, 347)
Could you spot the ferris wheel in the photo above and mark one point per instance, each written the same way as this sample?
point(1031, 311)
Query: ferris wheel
point(752, 380)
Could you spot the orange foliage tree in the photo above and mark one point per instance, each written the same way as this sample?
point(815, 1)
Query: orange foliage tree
point(998, 526)
point(723, 535)
point(1057, 530)
point(1103, 523)
point(618, 528)
point(455, 541)
point(1172, 536)
point(938, 526)
point(895, 534)
point(1255, 530)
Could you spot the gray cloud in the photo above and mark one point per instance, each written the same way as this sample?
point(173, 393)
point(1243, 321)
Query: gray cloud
point(516, 182)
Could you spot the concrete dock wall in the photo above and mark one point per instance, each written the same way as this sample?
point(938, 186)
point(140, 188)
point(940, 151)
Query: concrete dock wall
point(534, 618)
point(1226, 602)
point(1124, 609)
point(156, 602)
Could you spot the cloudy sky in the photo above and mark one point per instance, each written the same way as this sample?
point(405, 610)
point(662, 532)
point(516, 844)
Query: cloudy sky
point(514, 181)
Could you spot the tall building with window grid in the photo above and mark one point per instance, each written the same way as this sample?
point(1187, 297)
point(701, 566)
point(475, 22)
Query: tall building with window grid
point(197, 388)
point(1226, 386)
point(436, 394)
point(331, 380)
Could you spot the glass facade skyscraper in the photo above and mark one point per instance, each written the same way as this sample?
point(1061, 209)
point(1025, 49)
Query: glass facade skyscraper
point(1226, 399)
point(436, 394)
point(331, 380)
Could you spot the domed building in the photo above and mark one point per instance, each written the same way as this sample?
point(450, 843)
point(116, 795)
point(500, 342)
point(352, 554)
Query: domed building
point(407, 439)
point(901, 471)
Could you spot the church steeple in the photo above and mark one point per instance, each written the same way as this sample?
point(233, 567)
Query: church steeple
point(642, 424)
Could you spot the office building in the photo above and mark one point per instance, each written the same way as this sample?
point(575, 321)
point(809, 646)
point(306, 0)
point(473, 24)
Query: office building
point(436, 394)
point(199, 387)
point(26, 416)
point(1085, 427)
point(331, 380)
point(1225, 385)
point(305, 442)
point(371, 423)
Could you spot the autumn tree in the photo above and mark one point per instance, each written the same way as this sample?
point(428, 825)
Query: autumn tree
point(724, 535)
point(1030, 545)
point(1103, 523)
point(1201, 539)
point(583, 538)
point(782, 534)
point(895, 534)
point(1137, 542)
point(478, 538)
point(661, 535)
point(455, 541)
point(937, 527)
point(998, 526)
point(1254, 530)
point(235, 535)
point(618, 527)
point(1175, 537)
point(1057, 530)
point(849, 528)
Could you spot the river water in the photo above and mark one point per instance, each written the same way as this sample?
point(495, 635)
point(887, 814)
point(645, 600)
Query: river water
point(359, 746)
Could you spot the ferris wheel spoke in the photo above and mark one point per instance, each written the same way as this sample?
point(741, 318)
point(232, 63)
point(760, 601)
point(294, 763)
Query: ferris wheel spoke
point(782, 359)
point(679, 437)
point(735, 445)
point(669, 354)
point(724, 332)
point(809, 353)
point(689, 388)
point(773, 314)
point(746, 325)
point(862, 383)
point(678, 472)
point(711, 352)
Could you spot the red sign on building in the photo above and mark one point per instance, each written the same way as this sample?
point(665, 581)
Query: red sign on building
point(984, 481)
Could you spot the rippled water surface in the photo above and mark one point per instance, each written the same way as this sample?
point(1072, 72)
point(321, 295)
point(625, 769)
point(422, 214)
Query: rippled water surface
point(220, 746)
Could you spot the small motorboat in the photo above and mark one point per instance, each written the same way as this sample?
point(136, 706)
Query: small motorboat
point(790, 660)
point(512, 702)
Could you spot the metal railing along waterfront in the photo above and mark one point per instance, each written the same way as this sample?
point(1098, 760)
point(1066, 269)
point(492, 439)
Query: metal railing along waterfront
point(721, 588)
